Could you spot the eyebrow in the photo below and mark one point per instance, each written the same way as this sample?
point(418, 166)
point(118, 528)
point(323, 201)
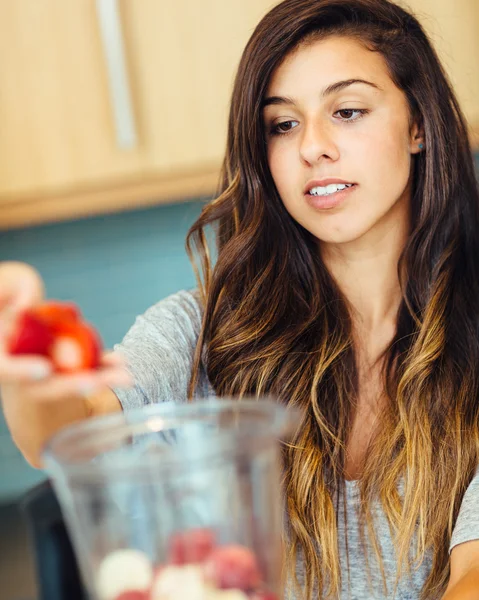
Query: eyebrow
point(331, 89)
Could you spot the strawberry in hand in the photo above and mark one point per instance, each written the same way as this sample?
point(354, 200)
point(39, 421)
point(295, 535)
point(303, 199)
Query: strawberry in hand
point(53, 311)
point(31, 336)
point(56, 330)
point(75, 347)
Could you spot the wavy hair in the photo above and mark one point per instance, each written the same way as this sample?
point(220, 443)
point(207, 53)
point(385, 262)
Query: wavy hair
point(275, 322)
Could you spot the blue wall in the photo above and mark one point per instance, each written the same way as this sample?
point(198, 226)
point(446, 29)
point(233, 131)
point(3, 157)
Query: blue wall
point(114, 267)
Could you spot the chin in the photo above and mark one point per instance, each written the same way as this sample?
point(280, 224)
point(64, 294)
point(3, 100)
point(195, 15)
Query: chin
point(339, 237)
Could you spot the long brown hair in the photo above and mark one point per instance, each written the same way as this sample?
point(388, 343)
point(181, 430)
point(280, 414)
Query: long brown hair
point(275, 321)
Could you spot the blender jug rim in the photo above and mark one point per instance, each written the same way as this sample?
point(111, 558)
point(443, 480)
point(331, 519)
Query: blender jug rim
point(264, 420)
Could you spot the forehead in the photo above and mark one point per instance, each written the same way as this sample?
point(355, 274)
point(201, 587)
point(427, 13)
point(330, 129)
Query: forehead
point(324, 61)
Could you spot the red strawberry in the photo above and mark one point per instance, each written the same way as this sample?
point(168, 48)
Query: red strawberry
point(53, 312)
point(264, 596)
point(133, 595)
point(233, 567)
point(55, 329)
point(30, 336)
point(191, 546)
point(76, 347)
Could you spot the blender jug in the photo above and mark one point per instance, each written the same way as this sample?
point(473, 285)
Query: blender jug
point(175, 501)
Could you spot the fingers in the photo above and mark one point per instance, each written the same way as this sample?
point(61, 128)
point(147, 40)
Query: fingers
point(87, 384)
point(114, 359)
point(21, 286)
point(58, 387)
point(22, 369)
point(36, 376)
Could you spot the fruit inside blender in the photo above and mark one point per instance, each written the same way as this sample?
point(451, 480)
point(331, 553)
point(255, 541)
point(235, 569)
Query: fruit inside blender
point(197, 568)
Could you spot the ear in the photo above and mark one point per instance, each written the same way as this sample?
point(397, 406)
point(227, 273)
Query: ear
point(417, 142)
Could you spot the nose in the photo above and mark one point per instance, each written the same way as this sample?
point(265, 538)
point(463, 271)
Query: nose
point(318, 143)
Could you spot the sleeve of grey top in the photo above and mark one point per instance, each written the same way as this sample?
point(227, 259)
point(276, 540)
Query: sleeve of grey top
point(467, 523)
point(159, 349)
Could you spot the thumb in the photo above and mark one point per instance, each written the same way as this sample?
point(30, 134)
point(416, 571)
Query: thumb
point(20, 287)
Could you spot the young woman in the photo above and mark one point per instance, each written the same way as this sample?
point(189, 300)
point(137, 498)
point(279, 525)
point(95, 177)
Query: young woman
point(346, 283)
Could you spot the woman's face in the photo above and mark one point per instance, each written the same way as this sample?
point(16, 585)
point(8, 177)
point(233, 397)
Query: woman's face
point(323, 126)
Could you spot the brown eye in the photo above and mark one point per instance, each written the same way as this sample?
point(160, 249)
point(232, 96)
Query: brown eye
point(282, 128)
point(347, 114)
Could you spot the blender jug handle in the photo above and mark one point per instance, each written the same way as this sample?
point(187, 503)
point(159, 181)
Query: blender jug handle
point(57, 572)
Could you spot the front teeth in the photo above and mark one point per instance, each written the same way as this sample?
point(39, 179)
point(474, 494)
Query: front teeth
point(329, 189)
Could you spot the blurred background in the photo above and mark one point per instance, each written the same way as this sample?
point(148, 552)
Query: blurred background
point(113, 121)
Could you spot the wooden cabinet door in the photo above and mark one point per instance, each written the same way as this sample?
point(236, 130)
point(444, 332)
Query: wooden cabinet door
point(184, 55)
point(56, 124)
point(59, 155)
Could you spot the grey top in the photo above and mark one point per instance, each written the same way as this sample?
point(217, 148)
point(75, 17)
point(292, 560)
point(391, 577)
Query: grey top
point(160, 348)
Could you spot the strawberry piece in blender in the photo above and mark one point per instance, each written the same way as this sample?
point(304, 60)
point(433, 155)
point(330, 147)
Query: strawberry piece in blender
point(134, 595)
point(191, 546)
point(75, 347)
point(233, 567)
point(31, 336)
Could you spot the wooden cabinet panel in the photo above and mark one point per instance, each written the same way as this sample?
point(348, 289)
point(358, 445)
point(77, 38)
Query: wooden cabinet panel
point(55, 114)
point(55, 109)
point(183, 59)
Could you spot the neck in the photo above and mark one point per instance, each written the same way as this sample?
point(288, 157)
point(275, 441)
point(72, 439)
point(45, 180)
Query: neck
point(366, 272)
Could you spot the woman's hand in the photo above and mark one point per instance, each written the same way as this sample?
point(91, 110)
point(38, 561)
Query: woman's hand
point(36, 400)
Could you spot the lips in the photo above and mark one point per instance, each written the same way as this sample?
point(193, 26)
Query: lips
point(330, 201)
point(325, 182)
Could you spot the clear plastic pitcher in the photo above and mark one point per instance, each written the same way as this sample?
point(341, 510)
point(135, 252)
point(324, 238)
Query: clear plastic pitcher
point(175, 501)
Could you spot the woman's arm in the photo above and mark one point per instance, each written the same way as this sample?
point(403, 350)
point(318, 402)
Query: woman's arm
point(464, 579)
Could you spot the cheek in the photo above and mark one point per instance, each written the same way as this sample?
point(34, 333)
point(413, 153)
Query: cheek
point(382, 157)
point(281, 165)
